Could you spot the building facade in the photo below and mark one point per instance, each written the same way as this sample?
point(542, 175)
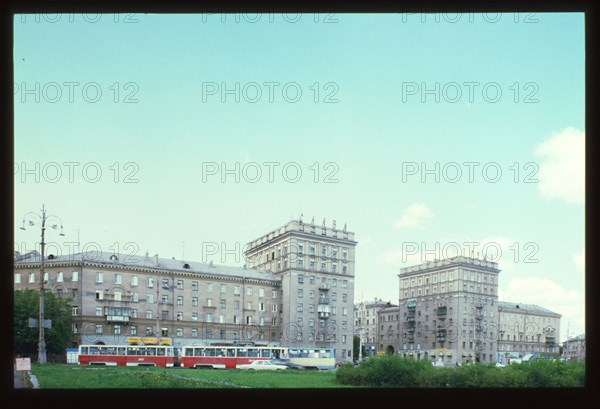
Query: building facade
point(366, 323)
point(114, 296)
point(574, 348)
point(527, 329)
point(448, 310)
point(389, 330)
point(315, 266)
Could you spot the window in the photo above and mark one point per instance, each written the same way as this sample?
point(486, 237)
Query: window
point(222, 319)
point(117, 329)
point(209, 287)
point(180, 284)
point(194, 285)
point(261, 292)
point(98, 328)
point(18, 278)
point(249, 305)
point(165, 283)
point(312, 249)
point(59, 277)
point(194, 332)
point(344, 269)
point(312, 294)
point(74, 310)
point(45, 277)
point(75, 276)
point(99, 294)
point(150, 282)
point(300, 279)
point(223, 288)
point(148, 330)
point(236, 290)
point(311, 265)
point(249, 291)
point(149, 314)
point(311, 308)
point(273, 293)
point(150, 298)
point(343, 339)
point(333, 295)
point(236, 305)
point(118, 295)
point(344, 283)
point(300, 249)
point(300, 263)
point(165, 299)
point(344, 297)
point(134, 281)
point(209, 302)
point(344, 311)
point(118, 279)
point(323, 267)
point(179, 316)
point(133, 313)
point(99, 278)
point(300, 307)
point(249, 319)
point(274, 307)
point(179, 300)
point(133, 330)
point(334, 268)
point(179, 332)
point(223, 303)
point(32, 277)
point(208, 317)
point(98, 311)
point(236, 319)
point(194, 301)
point(261, 306)
point(300, 293)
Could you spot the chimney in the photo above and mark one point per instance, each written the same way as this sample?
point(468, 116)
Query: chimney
point(156, 260)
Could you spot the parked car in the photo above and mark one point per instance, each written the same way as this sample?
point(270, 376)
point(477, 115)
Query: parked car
point(262, 366)
point(288, 364)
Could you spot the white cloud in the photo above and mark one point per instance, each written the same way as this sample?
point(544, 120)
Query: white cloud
point(562, 170)
point(579, 260)
point(548, 294)
point(414, 216)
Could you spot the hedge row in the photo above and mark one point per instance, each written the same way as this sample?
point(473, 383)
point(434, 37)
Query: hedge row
point(395, 371)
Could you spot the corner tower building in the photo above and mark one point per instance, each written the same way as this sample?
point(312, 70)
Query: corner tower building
point(316, 267)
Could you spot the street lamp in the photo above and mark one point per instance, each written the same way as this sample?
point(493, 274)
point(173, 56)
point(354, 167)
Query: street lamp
point(42, 219)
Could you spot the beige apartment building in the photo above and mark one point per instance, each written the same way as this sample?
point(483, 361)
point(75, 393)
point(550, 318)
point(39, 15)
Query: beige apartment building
point(527, 329)
point(366, 323)
point(315, 266)
point(448, 310)
point(388, 330)
point(115, 296)
point(574, 348)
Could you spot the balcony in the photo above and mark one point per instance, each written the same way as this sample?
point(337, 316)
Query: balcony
point(410, 329)
point(323, 286)
point(441, 339)
point(117, 318)
point(441, 311)
point(550, 341)
point(323, 314)
point(324, 301)
point(410, 318)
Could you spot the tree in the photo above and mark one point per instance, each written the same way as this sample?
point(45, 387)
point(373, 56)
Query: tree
point(56, 309)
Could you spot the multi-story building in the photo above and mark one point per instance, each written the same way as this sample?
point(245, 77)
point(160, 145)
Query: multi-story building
point(449, 310)
point(389, 330)
point(114, 296)
point(527, 329)
point(366, 322)
point(315, 266)
point(574, 348)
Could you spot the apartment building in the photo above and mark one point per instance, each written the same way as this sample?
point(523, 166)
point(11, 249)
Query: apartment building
point(316, 268)
point(114, 296)
point(448, 310)
point(527, 329)
point(366, 322)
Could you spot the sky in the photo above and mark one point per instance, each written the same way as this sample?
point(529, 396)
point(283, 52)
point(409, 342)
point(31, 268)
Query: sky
point(188, 136)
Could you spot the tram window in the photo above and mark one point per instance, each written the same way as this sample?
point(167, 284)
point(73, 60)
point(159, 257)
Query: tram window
point(132, 351)
point(253, 352)
point(220, 352)
point(111, 351)
point(94, 351)
point(210, 352)
point(84, 350)
point(265, 353)
point(231, 352)
point(242, 352)
point(161, 351)
point(199, 352)
point(151, 351)
point(170, 351)
point(121, 351)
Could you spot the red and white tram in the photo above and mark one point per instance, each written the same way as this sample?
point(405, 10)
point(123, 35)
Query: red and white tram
point(127, 355)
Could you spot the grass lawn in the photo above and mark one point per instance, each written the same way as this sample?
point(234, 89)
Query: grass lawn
point(75, 376)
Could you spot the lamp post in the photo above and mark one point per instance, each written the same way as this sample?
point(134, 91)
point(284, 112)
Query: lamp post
point(43, 218)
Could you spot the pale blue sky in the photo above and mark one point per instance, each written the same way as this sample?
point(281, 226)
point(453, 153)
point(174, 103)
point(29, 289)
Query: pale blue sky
point(369, 134)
